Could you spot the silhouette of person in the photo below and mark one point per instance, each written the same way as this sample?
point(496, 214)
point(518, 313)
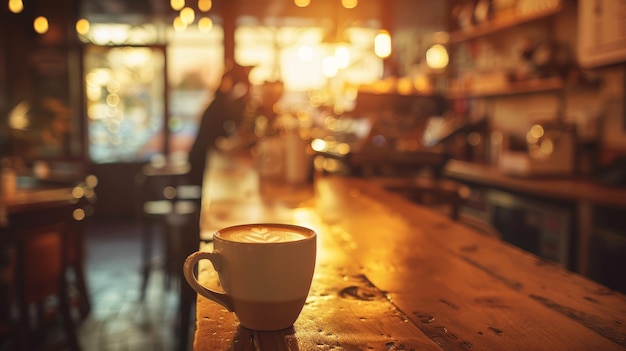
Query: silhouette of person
point(221, 118)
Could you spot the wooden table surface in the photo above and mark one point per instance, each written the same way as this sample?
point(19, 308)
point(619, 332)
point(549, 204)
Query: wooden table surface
point(28, 200)
point(391, 275)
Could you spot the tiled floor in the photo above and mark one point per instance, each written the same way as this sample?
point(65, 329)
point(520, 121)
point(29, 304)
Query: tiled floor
point(119, 321)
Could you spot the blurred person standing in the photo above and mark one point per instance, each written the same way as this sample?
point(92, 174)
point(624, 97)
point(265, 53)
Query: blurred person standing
point(221, 118)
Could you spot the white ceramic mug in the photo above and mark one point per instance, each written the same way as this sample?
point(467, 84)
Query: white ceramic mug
point(265, 270)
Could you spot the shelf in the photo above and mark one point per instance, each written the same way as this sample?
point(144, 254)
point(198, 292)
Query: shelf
point(513, 88)
point(498, 24)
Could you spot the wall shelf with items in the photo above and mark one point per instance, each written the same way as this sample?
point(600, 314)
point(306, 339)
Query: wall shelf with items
point(518, 53)
point(500, 23)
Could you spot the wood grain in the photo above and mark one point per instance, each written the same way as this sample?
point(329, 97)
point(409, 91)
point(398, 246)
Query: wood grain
point(391, 275)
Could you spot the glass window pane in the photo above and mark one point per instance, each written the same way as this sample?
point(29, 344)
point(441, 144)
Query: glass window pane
point(195, 65)
point(124, 88)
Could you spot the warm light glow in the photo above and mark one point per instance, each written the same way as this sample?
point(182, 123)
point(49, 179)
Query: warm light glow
point(534, 134)
point(343, 148)
point(177, 4)
point(404, 86)
point(16, 6)
point(302, 3)
point(205, 24)
point(205, 5)
point(318, 145)
point(342, 55)
point(537, 131)
point(547, 147)
point(187, 15)
point(82, 26)
point(382, 44)
point(91, 180)
point(437, 57)
point(305, 53)
point(40, 24)
point(78, 192)
point(422, 83)
point(18, 118)
point(329, 67)
point(79, 214)
point(303, 63)
point(178, 24)
point(109, 33)
point(349, 4)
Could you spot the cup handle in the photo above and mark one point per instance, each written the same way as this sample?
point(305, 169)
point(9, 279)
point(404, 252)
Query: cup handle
point(188, 270)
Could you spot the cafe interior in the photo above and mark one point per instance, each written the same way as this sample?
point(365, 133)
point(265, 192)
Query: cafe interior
point(506, 116)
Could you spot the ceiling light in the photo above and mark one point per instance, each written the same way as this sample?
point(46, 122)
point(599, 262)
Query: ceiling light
point(349, 4)
point(382, 44)
point(176, 5)
point(82, 26)
point(205, 24)
point(437, 57)
point(187, 15)
point(205, 5)
point(302, 3)
point(16, 6)
point(40, 24)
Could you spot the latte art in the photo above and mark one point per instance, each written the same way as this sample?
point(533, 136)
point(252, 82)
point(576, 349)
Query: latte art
point(262, 235)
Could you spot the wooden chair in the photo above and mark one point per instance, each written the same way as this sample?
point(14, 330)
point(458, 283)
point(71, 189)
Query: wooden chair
point(40, 263)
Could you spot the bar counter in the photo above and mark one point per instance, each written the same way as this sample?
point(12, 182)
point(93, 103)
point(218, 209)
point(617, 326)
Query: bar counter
point(392, 275)
point(583, 194)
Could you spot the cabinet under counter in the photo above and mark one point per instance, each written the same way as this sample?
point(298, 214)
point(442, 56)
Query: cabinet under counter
point(581, 195)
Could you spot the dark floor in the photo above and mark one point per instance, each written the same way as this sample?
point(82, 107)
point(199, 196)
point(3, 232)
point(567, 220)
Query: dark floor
point(118, 320)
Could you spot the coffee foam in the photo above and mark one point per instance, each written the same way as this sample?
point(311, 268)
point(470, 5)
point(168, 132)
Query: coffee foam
point(262, 235)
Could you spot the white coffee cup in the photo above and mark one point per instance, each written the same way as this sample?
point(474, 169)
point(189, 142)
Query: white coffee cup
point(265, 270)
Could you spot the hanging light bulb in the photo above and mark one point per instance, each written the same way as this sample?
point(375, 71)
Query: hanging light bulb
point(179, 24)
point(349, 4)
point(382, 44)
point(205, 5)
point(82, 26)
point(176, 5)
point(40, 24)
point(302, 3)
point(187, 15)
point(16, 6)
point(437, 57)
point(205, 24)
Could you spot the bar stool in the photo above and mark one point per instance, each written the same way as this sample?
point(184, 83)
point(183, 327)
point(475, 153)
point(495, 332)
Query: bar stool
point(165, 203)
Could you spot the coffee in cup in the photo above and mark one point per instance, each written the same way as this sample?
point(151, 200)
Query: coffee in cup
point(265, 270)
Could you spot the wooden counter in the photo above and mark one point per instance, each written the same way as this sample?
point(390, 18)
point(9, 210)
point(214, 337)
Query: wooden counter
point(391, 275)
point(584, 195)
point(567, 189)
